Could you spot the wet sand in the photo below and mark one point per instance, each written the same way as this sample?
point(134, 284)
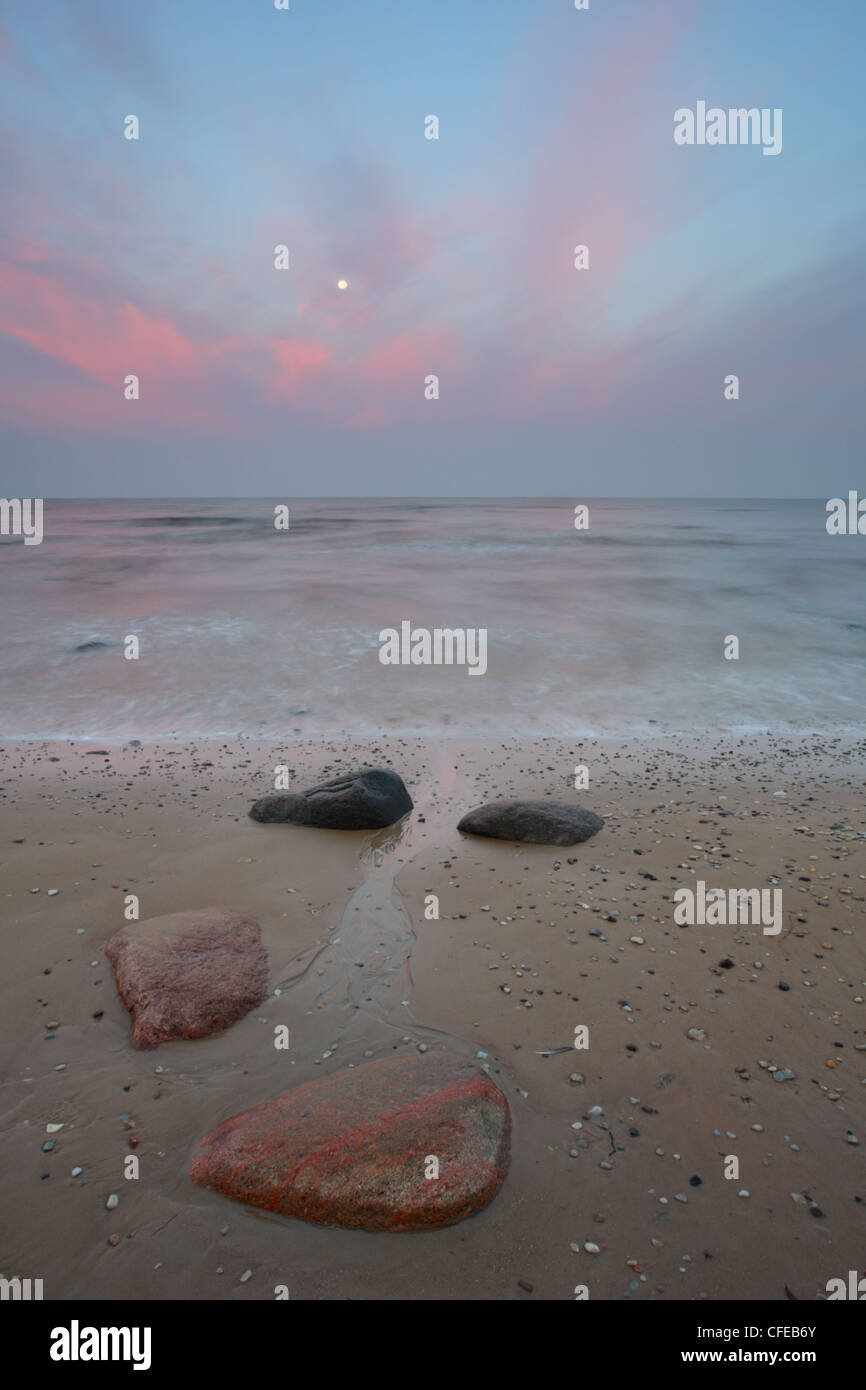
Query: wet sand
point(512, 966)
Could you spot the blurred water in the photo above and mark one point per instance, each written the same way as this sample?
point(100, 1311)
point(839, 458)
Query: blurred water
point(589, 632)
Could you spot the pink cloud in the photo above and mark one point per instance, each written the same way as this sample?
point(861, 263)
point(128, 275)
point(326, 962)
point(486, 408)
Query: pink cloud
point(407, 356)
point(296, 361)
point(104, 341)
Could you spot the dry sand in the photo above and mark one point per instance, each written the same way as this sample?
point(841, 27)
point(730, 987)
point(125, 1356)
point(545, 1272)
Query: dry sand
point(169, 824)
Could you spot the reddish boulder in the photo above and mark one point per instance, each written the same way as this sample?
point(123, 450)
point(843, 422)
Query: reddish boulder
point(189, 974)
point(354, 1149)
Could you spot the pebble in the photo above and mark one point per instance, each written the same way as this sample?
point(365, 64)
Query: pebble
point(247, 1274)
point(591, 1248)
point(76, 1172)
point(696, 1034)
point(112, 1202)
point(576, 1078)
point(48, 1146)
point(525, 1285)
point(852, 1137)
point(759, 1129)
point(743, 1192)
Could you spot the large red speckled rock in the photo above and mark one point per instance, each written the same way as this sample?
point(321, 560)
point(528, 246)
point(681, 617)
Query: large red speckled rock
point(189, 974)
point(351, 1149)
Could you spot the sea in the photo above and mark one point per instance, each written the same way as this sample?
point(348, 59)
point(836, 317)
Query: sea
point(243, 629)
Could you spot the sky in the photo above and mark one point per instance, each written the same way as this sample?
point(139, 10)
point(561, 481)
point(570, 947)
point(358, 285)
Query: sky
point(305, 128)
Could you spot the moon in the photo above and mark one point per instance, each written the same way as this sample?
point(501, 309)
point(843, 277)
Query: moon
point(342, 284)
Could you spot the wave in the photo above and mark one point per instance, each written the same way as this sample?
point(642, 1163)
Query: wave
point(180, 521)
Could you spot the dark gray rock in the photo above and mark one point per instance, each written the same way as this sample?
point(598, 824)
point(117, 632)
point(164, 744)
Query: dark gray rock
point(534, 822)
point(367, 800)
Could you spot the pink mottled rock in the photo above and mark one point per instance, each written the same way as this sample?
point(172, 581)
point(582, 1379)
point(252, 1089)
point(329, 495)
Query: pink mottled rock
point(189, 974)
point(354, 1149)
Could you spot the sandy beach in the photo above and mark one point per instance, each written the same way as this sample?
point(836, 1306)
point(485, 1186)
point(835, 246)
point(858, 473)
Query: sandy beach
point(531, 942)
